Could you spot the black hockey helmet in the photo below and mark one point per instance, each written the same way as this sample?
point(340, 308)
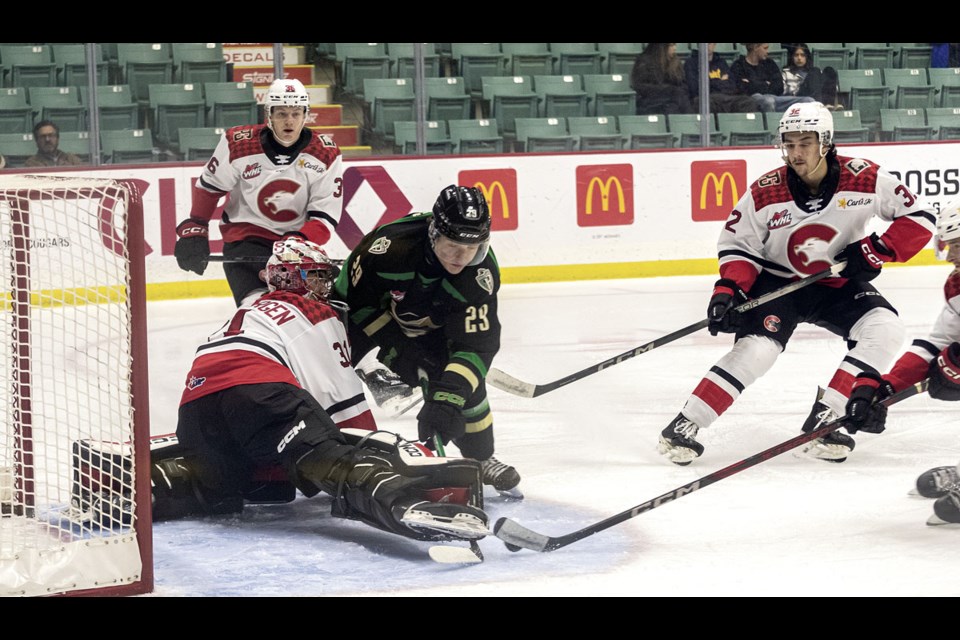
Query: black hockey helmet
point(461, 214)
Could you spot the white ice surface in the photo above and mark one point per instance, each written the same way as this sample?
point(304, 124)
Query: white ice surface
point(787, 527)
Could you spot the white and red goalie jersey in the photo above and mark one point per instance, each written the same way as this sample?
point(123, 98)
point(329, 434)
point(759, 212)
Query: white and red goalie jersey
point(272, 189)
point(797, 237)
point(284, 337)
point(914, 365)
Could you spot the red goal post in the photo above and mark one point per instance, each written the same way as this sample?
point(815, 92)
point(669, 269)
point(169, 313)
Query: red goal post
point(74, 369)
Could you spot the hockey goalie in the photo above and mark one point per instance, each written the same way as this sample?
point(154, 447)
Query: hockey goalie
point(271, 405)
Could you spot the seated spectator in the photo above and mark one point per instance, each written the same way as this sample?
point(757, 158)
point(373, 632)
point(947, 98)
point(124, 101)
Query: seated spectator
point(801, 78)
point(944, 54)
point(759, 76)
point(46, 135)
point(658, 79)
point(724, 97)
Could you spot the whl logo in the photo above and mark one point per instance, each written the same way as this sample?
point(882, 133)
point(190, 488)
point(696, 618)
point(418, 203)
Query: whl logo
point(252, 171)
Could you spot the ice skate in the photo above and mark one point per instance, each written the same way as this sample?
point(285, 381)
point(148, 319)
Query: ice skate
point(502, 477)
point(946, 510)
point(833, 447)
point(443, 520)
point(389, 392)
point(936, 482)
point(677, 441)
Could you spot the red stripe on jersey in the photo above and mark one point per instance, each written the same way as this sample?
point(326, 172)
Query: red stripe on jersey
point(204, 202)
point(715, 396)
point(842, 382)
point(363, 421)
point(910, 368)
point(237, 231)
point(218, 371)
point(740, 271)
point(905, 237)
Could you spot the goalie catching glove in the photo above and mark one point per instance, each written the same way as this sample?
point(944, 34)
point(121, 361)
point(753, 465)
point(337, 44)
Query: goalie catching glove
point(442, 413)
point(864, 413)
point(722, 316)
point(192, 250)
point(945, 374)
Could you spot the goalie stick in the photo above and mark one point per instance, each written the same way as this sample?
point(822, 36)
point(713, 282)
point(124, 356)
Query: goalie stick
point(517, 536)
point(517, 387)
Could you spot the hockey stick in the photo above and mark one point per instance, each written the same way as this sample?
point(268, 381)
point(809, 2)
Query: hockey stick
point(517, 387)
point(517, 536)
point(261, 259)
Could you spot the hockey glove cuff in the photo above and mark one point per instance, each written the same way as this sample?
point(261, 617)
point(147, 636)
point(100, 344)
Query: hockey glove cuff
point(192, 250)
point(864, 258)
point(945, 374)
point(863, 411)
point(722, 316)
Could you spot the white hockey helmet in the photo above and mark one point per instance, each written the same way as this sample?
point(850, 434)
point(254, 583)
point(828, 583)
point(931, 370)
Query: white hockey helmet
point(948, 223)
point(300, 266)
point(808, 116)
point(288, 92)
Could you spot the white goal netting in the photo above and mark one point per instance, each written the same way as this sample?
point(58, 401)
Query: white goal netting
point(71, 361)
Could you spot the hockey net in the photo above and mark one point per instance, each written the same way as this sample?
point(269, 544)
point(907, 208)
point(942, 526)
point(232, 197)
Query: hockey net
point(74, 366)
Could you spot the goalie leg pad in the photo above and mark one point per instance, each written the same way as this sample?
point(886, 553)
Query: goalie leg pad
point(177, 495)
point(379, 480)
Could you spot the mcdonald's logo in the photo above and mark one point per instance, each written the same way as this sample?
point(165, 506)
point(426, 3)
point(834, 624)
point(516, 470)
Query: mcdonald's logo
point(499, 187)
point(715, 188)
point(604, 195)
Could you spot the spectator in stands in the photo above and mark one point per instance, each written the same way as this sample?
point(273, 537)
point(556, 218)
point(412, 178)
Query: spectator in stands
point(945, 54)
point(658, 79)
point(724, 97)
point(801, 78)
point(47, 136)
point(759, 76)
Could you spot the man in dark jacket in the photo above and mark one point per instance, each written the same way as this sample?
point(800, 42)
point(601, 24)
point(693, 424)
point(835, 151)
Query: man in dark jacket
point(758, 76)
point(724, 96)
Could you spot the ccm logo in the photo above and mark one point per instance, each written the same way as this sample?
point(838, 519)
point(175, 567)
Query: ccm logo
point(868, 253)
point(290, 436)
point(947, 369)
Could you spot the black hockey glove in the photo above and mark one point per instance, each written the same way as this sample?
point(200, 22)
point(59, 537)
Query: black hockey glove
point(864, 258)
point(442, 413)
point(720, 312)
point(193, 246)
point(863, 411)
point(945, 374)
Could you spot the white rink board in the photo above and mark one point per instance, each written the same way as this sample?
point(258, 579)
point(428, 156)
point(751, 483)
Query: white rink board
point(547, 232)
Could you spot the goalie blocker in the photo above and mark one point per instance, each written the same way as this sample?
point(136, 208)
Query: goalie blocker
point(100, 470)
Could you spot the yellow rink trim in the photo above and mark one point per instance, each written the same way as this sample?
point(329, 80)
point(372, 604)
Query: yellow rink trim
point(70, 297)
point(518, 275)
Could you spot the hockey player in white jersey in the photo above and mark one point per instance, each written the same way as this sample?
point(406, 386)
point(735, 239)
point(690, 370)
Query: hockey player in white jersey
point(793, 222)
point(272, 390)
point(936, 357)
point(281, 179)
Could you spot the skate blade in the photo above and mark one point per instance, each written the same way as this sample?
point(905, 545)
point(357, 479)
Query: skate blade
point(449, 554)
point(462, 525)
point(511, 494)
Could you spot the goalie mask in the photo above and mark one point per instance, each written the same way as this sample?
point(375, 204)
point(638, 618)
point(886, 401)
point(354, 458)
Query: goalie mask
point(460, 215)
point(300, 266)
point(808, 117)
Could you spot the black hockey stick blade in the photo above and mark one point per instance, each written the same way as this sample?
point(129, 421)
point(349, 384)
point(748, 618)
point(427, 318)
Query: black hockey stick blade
point(515, 535)
point(260, 259)
point(510, 384)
